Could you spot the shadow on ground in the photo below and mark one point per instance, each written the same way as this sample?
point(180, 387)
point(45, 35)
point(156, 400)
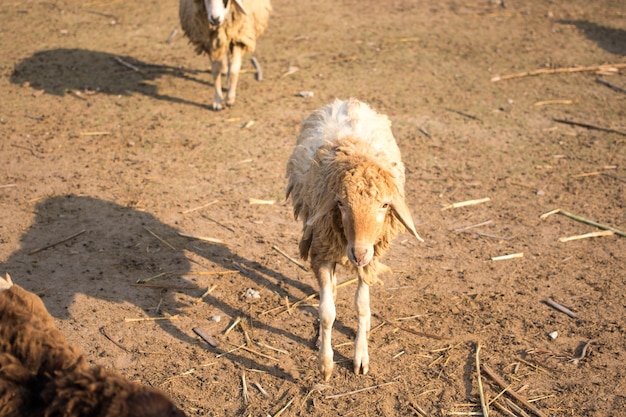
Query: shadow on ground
point(110, 247)
point(62, 71)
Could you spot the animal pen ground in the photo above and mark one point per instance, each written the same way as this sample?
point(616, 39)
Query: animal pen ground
point(107, 138)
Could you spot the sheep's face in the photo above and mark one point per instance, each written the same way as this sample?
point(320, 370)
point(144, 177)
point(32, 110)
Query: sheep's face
point(365, 202)
point(217, 10)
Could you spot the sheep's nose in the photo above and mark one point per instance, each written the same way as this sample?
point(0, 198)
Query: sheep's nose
point(215, 20)
point(361, 256)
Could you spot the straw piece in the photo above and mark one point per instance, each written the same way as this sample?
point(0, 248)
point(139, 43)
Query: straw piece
point(261, 202)
point(201, 207)
point(544, 102)
point(483, 403)
point(261, 390)
point(605, 67)
point(513, 394)
point(165, 242)
point(244, 390)
point(57, 243)
point(130, 320)
point(277, 249)
point(587, 235)
point(465, 203)
point(204, 239)
point(166, 286)
point(282, 410)
point(328, 397)
point(505, 257)
point(583, 352)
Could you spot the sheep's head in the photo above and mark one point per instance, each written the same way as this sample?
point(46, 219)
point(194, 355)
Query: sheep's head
point(218, 10)
point(368, 200)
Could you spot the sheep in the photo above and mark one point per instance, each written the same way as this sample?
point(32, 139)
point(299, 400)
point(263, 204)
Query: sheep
point(225, 30)
point(346, 182)
point(42, 375)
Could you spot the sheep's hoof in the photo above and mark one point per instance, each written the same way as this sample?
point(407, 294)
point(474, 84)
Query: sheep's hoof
point(326, 371)
point(217, 106)
point(361, 364)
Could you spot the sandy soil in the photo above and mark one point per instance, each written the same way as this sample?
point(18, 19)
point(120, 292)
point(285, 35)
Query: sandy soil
point(122, 160)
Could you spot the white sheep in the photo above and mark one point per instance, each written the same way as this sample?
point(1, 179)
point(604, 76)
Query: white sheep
point(346, 182)
point(225, 30)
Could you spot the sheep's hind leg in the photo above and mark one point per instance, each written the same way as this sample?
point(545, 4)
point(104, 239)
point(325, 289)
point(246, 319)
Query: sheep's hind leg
point(326, 278)
point(362, 304)
point(216, 71)
point(233, 74)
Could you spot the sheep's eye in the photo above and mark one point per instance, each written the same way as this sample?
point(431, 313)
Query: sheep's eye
point(339, 204)
point(384, 206)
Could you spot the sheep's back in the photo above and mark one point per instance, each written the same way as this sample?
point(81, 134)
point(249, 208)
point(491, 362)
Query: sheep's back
point(332, 124)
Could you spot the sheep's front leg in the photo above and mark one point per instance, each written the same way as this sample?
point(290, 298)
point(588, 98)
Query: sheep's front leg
point(216, 72)
point(327, 313)
point(233, 74)
point(362, 304)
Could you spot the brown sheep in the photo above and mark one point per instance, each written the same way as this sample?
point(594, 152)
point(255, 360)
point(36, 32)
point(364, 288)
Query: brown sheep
point(346, 181)
point(225, 30)
point(41, 375)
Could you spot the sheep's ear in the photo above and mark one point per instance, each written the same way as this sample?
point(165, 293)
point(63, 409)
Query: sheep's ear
point(404, 215)
point(322, 208)
point(239, 5)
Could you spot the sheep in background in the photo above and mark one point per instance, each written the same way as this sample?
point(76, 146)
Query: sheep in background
point(225, 30)
point(346, 181)
point(41, 375)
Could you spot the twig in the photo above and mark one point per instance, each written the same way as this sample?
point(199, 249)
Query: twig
point(470, 116)
point(159, 238)
point(103, 333)
point(328, 397)
point(263, 355)
point(230, 229)
point(244, 390)
point(206, 337)
point(202, 238)
point(166, 286)
point(424, 131)
point(257, 66)
point(544, 102)
point(613, 86)
point(505, 257)
point(171, 37)
point(417, 332)
point(513, 394)
point(583, 352)
point(583, 220)
point(587, 235)
point(277, 249)
point(588, 126)
point(471, 226)
point(465, 203)
point(200, 207)
point(282, 410)
point(232, 326)
point(504, 409)
point(560, 308)
point(8, 185)
point(261, 390)
point(206, 293)
point(483, 403)
point(127, 64)
point(57, 243)
point(131, 320)
point(605, 67)
point(95, 133)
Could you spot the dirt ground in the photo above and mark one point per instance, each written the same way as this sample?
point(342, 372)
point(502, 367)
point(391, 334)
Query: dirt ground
point(109, 152)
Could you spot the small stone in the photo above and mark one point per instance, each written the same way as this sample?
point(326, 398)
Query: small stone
point(553, 335)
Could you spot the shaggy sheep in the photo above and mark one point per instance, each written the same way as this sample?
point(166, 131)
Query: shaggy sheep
point(346, 181)
point(225, 30)
point(41, 375)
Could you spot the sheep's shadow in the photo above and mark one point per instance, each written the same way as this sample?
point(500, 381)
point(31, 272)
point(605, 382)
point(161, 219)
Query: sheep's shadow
point(112, 248)
point(610, 39)
point(61, 71)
